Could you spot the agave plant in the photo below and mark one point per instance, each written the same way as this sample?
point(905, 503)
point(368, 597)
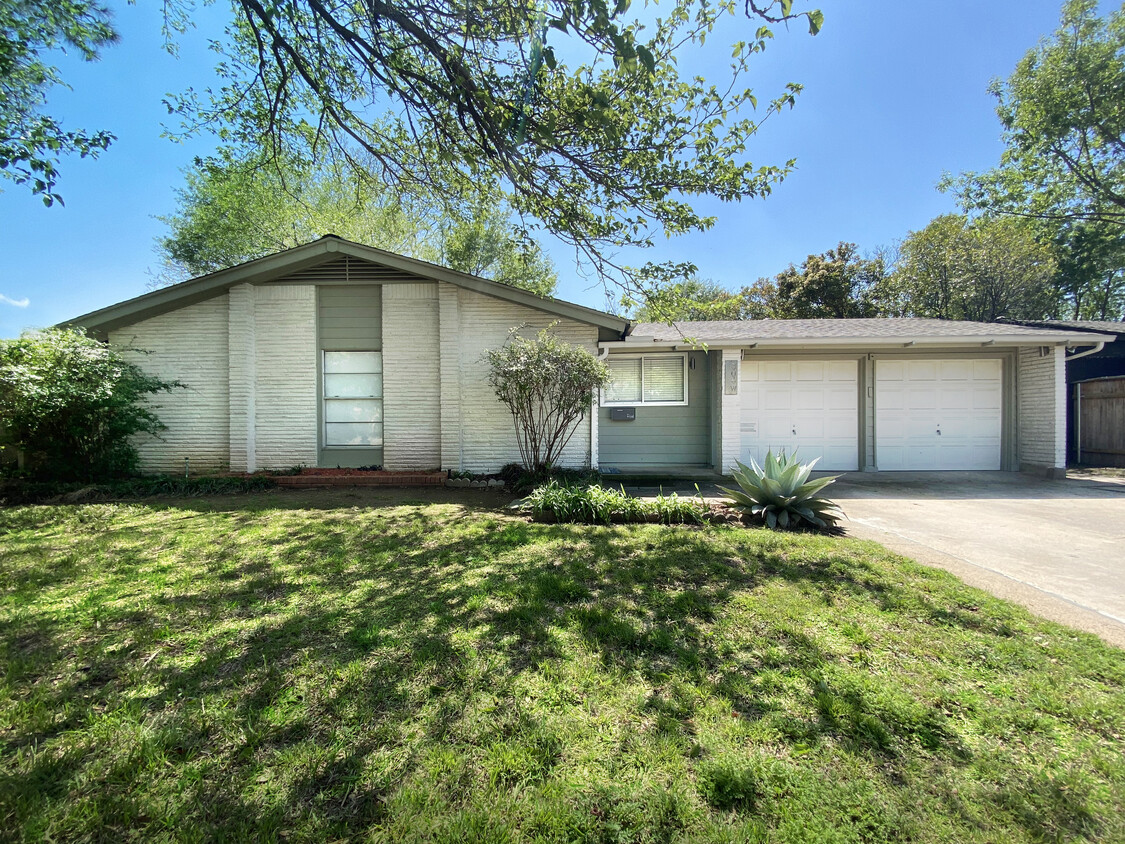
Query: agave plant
point(781, 493)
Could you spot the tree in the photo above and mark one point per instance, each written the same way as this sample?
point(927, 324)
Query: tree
point(694, 299)
point(579, 111)
point(234, 210)
point(1063, 113)
point(836, 284)
point(1090, 276)
point(31, 142)
point(978, 270)
point(548, 386)
point(71, 403)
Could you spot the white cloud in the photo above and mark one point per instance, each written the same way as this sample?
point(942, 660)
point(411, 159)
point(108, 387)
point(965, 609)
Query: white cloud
point(16, 303)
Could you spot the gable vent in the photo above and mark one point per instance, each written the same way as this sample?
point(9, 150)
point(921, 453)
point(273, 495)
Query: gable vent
point(348, 270)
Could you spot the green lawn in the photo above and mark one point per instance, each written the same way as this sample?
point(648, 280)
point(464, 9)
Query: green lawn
point(305, 667)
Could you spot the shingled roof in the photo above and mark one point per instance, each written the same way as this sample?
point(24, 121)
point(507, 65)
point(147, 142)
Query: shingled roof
point(847, 331)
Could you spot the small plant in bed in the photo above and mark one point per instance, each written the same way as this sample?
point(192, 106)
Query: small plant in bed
point(596, 505)
point(780, 493)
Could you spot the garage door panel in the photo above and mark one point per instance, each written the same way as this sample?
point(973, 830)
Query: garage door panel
point(806, 399)
point(775, 371)
point(921, 370)
point(809, 371)
point(955, 370)
point(961, 399)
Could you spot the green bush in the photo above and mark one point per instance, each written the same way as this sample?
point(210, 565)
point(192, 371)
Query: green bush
point(592, 504)
point(780, 494)
point(548, 386)
point(71, 403)
point(521, 481)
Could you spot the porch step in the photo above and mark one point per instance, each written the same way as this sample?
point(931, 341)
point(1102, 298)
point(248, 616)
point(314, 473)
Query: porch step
point(313, 479)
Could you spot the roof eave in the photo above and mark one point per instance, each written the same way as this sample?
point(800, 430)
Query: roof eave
point(280, 264)
point(983, 340)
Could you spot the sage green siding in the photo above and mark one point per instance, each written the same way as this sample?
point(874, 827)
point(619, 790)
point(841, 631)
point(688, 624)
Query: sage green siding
point(678, 436)
point(349, 319)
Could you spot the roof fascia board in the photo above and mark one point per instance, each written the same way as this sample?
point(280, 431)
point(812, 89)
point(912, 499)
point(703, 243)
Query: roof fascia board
point(1047, 338)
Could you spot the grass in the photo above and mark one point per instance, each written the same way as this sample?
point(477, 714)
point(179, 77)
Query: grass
point(298, 667)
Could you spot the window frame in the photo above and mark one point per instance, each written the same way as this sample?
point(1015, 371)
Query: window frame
point(681, 355)
point(324, 399)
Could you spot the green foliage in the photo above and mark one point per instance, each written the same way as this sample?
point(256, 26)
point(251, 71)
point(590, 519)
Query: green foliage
point(579, 110)
point(31, 142)
point(693, 299)
point(71, 403)
point(1090, 269)
point(593, 504)
point(1063, 114)
point(236, 209)
point(547, 385)
point(837, 284)
point(978, 270)
point(521, 480)
point(33, 492)
point(781, 494)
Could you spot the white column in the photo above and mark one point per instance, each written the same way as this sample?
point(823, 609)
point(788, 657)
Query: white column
point(730, 381)
point(1060, 408)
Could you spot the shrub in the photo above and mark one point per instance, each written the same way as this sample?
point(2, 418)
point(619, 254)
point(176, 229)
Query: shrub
point(596, 505)
point(70, 403)
point(522, 481)
point(547, 385)
point(780, 494)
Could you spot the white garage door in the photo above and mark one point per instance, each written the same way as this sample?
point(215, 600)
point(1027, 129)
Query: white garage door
point(937, 414)
point(812, 405)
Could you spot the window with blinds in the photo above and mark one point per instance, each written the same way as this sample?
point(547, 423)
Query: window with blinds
point(656, 379)
point(353, 399)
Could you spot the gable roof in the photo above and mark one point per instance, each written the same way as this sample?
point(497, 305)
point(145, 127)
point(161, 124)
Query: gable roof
point(880, 331)
point(309, 255)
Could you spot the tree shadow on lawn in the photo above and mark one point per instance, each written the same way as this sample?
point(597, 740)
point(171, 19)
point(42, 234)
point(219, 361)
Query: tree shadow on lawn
point(342, 656)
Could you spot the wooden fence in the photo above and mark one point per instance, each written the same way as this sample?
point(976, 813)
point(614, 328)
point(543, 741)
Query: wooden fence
point(1099, 421)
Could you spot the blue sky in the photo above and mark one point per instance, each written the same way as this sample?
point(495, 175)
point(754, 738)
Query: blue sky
point(895, 94)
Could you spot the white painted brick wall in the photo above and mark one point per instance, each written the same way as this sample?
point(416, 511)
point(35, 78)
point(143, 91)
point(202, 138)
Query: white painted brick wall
point(189, 345)
point(1041, 383)
point(412, 413)
point(285, 365)
point(449, 320)
point(487, 436)
point(240, 343)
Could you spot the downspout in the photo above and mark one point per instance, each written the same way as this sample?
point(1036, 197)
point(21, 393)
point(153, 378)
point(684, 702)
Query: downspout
point(1097, 348)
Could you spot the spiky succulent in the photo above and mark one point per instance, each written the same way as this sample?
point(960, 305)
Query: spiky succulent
point(781, 494)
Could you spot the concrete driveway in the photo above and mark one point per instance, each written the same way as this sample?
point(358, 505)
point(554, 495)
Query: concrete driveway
point(1057, 547)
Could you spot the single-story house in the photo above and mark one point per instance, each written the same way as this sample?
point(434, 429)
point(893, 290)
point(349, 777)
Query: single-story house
point(337, 354)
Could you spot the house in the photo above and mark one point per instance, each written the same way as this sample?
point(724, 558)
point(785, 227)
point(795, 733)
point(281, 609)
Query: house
point(338, 354)
point(1095, 378)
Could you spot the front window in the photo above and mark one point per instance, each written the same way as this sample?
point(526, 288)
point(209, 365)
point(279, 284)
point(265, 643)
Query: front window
point(353, 399)
point(645, 379)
